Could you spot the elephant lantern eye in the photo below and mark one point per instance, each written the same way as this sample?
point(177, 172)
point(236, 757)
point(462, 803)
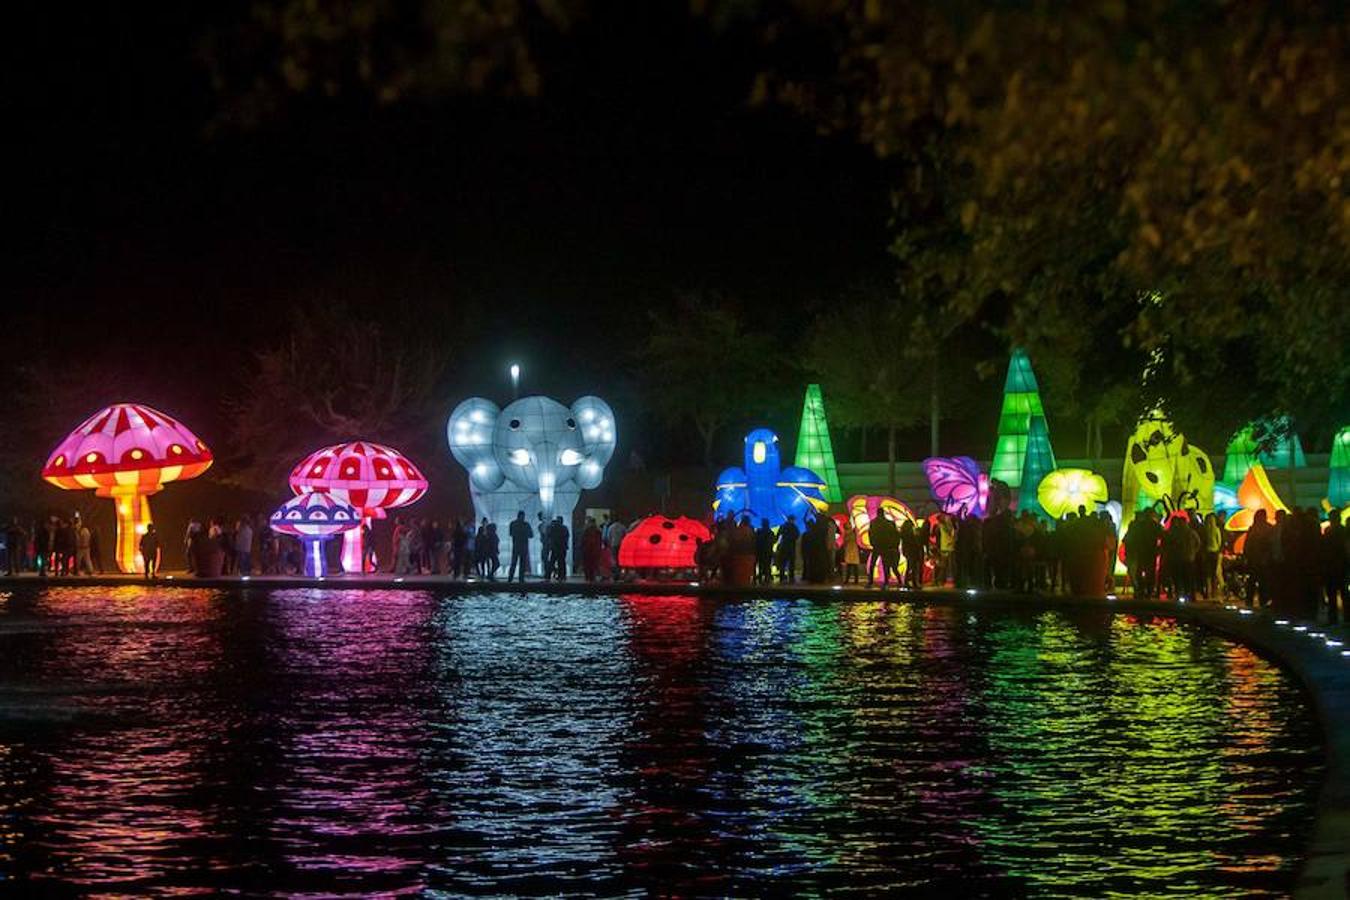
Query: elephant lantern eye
point(520, 456)
point(570, 457)
point(514, 424)
point(572, 424)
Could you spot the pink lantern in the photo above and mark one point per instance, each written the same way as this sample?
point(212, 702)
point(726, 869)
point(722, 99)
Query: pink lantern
point(127, 451)
point(369, 477)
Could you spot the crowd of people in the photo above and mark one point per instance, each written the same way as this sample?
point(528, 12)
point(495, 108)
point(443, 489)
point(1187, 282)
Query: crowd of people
point(1296, 563)
point(1002, 551)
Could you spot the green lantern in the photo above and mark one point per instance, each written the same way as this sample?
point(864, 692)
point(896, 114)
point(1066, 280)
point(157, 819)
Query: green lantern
point(1021, 403)
point(1039, 462)
point(1271, 442)
point(1338, 490)
point(814, 448)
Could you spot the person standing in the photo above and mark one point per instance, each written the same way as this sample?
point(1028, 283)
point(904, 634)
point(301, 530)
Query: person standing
point(614, 536)
point(1334, 554)
point(852, 554)
point(243, 546)
point(787, 550)
point(16, 539)
point(592, 546)
point(150, 552)
point(911, 545)
point(543, 527)
point(764, 540)
point(491, 547)
point(84, 565)
point(885, 539)
point(560, 539)
point(520, 533)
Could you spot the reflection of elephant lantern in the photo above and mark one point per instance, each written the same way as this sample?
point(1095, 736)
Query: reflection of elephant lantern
point(535, 456)
point(764, 490)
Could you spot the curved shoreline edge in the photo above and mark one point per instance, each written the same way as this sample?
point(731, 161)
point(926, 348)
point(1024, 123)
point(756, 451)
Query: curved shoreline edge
point(1324, 672)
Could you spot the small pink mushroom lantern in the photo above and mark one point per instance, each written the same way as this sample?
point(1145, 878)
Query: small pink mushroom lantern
point(369, 477)
point(127, 451)
point(314, 518)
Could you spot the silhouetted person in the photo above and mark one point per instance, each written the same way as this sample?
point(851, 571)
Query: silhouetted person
point(885, 544)
point(764, 540)
point(1334, 553)
point(559, 539)
point(1257, 552)
point(787, 550)
point(150, 551)
point(520, 532)
point(15, 539)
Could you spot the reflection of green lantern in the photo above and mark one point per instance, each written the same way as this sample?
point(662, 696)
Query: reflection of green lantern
point(1338, 490)
point(814, 448)
point(1021, 403)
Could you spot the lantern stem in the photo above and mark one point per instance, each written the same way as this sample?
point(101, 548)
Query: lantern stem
point(133, 517)
point(353, 547)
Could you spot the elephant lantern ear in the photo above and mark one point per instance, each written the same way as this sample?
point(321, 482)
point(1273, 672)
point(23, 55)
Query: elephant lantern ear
point(595, 422)
point(470, 432)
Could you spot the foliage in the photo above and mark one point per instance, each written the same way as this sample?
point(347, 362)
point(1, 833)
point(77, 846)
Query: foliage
point(1063, 162)
point(874, 359)
point(703, 366)
point(337, 376)
point(383, 50)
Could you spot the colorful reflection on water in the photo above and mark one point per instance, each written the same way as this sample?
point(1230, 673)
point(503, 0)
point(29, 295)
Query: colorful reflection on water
point(318, 741)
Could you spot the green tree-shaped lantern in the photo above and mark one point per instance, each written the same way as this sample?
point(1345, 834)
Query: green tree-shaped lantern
point(1021, 403)
point(814, 448)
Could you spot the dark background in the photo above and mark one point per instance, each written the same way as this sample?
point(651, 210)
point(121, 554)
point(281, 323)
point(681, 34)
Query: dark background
point(162, 251)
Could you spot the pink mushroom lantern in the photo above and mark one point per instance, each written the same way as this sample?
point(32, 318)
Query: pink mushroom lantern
point(369, 477)
point(314, 518)
point(127, 451)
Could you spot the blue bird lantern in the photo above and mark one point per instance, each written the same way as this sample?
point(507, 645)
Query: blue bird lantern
point(765, 490)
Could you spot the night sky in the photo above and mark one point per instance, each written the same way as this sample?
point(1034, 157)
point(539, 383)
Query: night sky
point(549, 222)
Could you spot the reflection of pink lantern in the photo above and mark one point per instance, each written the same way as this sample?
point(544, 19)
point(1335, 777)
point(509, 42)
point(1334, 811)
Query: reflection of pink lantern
point(368, 477)
point(314, 518)
point(127, 451)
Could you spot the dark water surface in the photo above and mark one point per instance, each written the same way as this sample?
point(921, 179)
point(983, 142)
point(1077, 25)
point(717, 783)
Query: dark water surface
point(318, 741)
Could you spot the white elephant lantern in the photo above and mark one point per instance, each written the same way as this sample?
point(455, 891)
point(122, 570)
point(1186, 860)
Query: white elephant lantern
point(535, 456)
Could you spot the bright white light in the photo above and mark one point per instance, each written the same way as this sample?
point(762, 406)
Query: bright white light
point(1331, 643)
point(1244, 612)
point(971, 591)
point(1316, 634)
point(837, 587)
point(399, 579)
point(1300, 627)
point(1182, 600)
point(1110, 596)
point(693, 584)
point(515, 372)
point(519, 456)
point(1281, 621)
point(570, 457)
point(245, 577)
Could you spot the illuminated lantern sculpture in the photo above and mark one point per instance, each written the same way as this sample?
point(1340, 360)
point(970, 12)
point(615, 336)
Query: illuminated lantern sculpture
point(764, 490)
point(1021, 405)
point(956, 482)
point(1338, 485)
point(815, 450)
point(314, 518)
point(127, 451)
point(371, 478)
point(1064, 490)
point(535, 456)
point(1255, 492)
point(863, 508)
point(1270, 441)
point(1038, 462)
point(1161, 465)
point(660, 543)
